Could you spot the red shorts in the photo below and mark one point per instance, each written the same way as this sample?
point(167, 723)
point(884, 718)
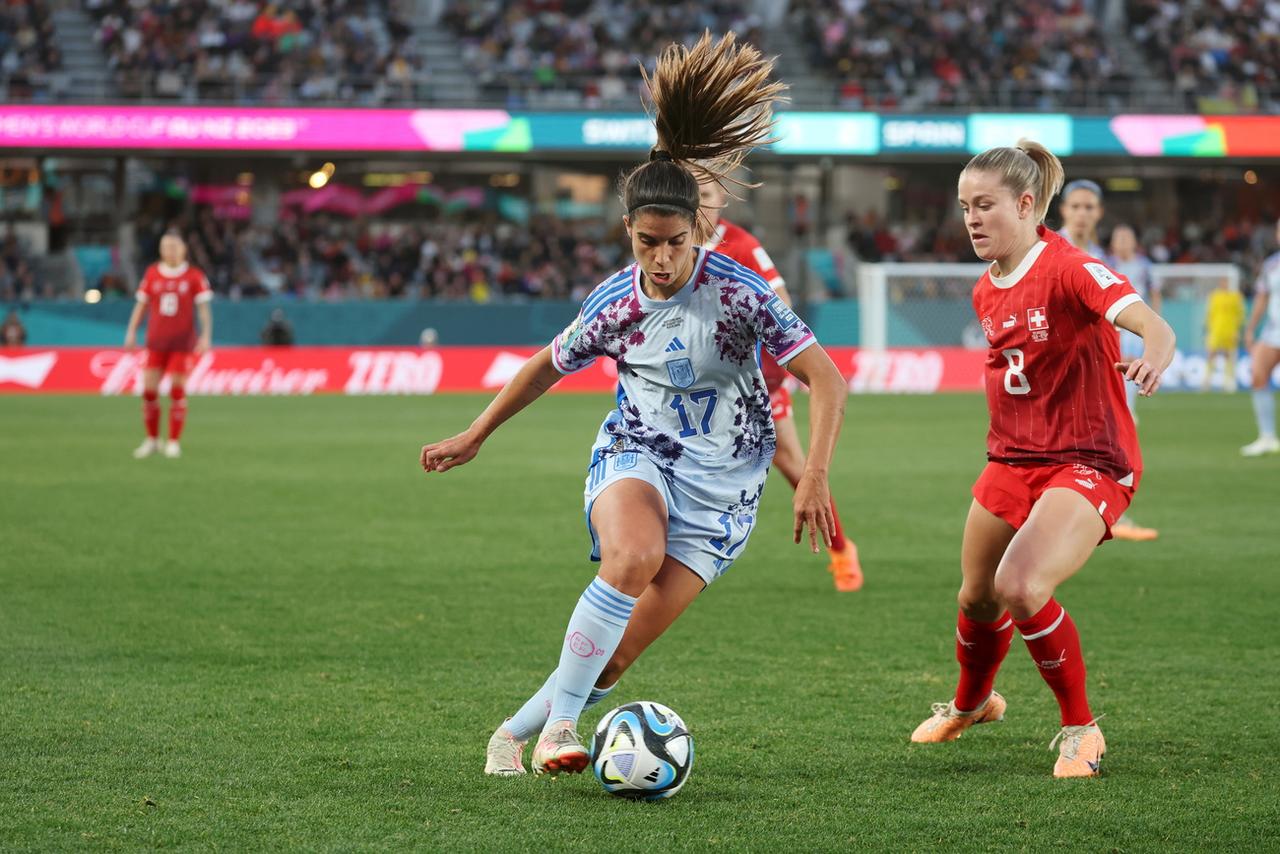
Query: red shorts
point(1010, 491)
point(780, 401)
point(169, 361)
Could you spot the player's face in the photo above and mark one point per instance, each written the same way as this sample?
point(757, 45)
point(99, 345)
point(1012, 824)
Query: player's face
point(172, 250)
point(711, 202)
point(995, 219)
point(1123, 242)
point(1081, 210)
point(663, 246)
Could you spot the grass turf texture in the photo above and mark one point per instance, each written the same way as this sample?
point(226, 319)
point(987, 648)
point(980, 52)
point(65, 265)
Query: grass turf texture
point(292, 638)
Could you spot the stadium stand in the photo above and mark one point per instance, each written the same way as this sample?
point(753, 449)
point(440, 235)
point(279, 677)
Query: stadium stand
point(1217, 54)
point(238, 50)
point(30, 60)
point(579, 53)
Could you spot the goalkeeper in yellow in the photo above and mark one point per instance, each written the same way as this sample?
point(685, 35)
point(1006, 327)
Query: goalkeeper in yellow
point(1222, 322)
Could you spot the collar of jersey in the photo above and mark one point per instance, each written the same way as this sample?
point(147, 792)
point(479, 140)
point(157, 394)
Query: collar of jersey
point(1021, 270)
point(171, 272)
point(680, 296)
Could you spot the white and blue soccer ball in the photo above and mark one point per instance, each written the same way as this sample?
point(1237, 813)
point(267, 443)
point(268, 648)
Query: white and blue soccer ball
point(642, 750)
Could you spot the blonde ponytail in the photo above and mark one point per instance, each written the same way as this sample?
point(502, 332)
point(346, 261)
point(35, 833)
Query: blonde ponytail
point(1028, 167)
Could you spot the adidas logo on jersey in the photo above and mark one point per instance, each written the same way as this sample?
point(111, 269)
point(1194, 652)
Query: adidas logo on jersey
point(675, 346)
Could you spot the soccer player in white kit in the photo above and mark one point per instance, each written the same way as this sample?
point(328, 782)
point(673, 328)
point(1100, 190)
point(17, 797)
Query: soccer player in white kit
point(678, 467)
point(1264, 352)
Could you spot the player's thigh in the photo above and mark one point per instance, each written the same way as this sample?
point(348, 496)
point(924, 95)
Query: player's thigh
point(789, 456)
point(1264, 360)
point(629, 518)
point(986, 537)
point(1058, 537)
point(151, 378)
point(672, 590)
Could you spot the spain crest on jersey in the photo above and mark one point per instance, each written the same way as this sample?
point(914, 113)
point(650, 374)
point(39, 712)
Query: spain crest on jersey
point(681, 373)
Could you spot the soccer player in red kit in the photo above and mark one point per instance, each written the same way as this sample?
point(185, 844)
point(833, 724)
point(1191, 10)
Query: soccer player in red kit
point(1062, 449)
point(739, 244)
point(172, 294)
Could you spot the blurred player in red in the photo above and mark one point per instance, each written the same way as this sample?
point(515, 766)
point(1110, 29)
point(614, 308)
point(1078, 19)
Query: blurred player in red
point(737, 243)
point(1062, 448)
point(172, 294)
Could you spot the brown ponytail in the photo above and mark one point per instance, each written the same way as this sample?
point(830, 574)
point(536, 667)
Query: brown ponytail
point(711, 104)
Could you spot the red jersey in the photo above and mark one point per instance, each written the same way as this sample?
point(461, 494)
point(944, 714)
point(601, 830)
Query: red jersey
point(739, 244)
point(171, 294)
point(1053, 391)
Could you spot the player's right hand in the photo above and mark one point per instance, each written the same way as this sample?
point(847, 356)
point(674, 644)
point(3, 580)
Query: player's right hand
point(130, 341)
point(1248, 339)
point(442, 456)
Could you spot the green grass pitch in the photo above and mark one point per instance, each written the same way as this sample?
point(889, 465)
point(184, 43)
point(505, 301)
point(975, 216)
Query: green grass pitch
point(291, 638)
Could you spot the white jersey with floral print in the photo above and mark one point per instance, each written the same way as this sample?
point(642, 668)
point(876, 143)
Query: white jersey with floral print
point(690, 394)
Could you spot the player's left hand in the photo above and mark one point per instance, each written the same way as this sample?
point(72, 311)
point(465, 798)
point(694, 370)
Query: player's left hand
point(455, 451)
point(813, 509)
point(1141, 372)
point(202, 346)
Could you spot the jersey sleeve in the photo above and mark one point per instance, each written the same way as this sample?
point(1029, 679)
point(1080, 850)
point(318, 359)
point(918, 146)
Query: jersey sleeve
point(573, 350)
point(781, 330)
point(203, 292)
point(1102, 291)
point(144, 288)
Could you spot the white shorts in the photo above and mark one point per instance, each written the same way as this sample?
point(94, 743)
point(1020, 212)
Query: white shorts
point(1271, 333)
point(704, 538)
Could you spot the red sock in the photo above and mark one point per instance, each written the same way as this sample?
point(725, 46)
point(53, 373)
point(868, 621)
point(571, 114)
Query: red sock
point(151, 413)
point(980, 648)
point(1054, 645)
point(177, 412)
point(837, 536)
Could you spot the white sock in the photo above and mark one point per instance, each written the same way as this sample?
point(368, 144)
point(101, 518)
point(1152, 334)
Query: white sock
point(533, 715)
point(1264, 409)
point(595, 629)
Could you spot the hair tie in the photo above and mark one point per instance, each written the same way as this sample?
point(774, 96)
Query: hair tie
point(659, 154)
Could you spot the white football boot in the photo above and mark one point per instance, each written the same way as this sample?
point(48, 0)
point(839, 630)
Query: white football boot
point(560, 750)
point(504, 755)
point(147, 448)
point(1260, 446)
point(172, 450)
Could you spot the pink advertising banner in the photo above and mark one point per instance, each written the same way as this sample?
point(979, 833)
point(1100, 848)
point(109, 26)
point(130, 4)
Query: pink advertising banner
point(244, 129)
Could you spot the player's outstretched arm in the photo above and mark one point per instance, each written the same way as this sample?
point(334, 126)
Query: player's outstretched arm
point(828, 393)
point(1157, 346)
point(131, 333)
point(537, 375)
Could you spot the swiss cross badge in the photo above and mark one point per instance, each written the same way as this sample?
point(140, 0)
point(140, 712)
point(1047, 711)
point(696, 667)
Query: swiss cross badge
point(1038, 323)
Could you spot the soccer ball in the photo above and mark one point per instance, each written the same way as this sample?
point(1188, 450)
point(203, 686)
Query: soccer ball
point(642, 750)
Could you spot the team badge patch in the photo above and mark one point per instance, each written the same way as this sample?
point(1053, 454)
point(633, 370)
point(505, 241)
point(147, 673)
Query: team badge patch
point(681, 373)
point(782, 315)
point(625, 461)
point(1104, 277)
point(1038, 323)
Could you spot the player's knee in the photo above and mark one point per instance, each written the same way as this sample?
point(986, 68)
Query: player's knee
point(979, 602)
point(630, 567)
point(1019, 590)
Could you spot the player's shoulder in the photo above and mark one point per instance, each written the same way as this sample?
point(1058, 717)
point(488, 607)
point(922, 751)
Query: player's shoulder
point(617, 286)
point(725, 272)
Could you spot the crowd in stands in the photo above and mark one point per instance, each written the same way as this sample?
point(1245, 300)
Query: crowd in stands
point(321, 257)
point(29, 56)
point(581, 52)
point(309, 50)
point(951, 53)
point(1224, 51)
